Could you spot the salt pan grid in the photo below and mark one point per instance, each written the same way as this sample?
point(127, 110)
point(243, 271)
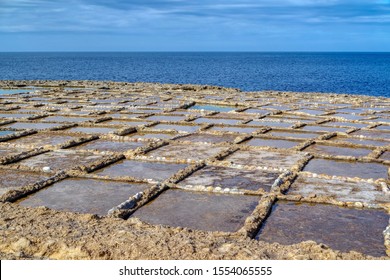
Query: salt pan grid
point(210, 160)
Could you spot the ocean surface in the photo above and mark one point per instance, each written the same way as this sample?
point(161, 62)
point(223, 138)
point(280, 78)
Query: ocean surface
point(354, 73)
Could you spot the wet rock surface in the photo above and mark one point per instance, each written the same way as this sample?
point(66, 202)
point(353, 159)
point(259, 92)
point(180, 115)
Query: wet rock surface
point(104, 170)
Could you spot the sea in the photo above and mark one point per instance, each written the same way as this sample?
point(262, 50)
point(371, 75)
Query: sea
point(351, 73)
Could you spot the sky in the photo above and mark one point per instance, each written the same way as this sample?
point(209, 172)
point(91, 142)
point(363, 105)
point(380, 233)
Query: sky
point(194, 25)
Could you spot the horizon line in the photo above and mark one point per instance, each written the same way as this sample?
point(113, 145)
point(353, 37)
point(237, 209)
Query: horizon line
point(176, 51)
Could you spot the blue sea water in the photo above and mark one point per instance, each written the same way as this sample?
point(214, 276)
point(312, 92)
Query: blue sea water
point(355, 73)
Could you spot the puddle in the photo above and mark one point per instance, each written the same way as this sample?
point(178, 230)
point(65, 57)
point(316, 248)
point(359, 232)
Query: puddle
point(385, 156)
point(213, 108)
point(60, 160)
point(178, 128)
point(297, 135)
point(372, 133)
point(39, 139)
point(167, 118)
point(342, 229)
point(91, 130)
point(225, 177)
point(217, 121)
point(156, 171)
point(102, 145)
point(15, 179)
point(276, 143)
point(27, 125)
point(337, 151)
point(202, 211)
point(207, 138)
point(83, 195)
point(234, 129)
point(339, 190)
point(264, 158)
point(347, 168)
point(6, 132)
point(185, 152)
point(361, 141)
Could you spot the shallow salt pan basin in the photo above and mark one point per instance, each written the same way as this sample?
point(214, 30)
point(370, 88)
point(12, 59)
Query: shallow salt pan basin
point(271, 159)
point(203, 211)
point(310, 112)
point(125, 123)
point(213, 108)
point(26, 125)
point(234, 129)
point(385, 156)
point(67, 119)
point(207, 138)
point(217, 121)
point(60, 160)
point(383, 127)
point(14, 116)
point(276, 143)
point(166, 118)
point(91, 130)
point(361, 141)
point(257, 111)
point(271, 123)
point(347, 116)
point(372, 133)
point(11, 151)
point(347, 169)
point(40, 139)
point(14, 91)
point(339, 190)
point(342, 229)
point(6, 132)
point(155, 171)
point(185, 152)
point(347, 124)
point(337, 151)
point(109, 145)
point(297, 135)
point(225, 177)
point(83, 195)
point(15, 179)
point(152, 136)
point(323, 128)
point(178, 128)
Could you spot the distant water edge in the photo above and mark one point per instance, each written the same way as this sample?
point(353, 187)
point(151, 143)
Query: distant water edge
point(352, 73)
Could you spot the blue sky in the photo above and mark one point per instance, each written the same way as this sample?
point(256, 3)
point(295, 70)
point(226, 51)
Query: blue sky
point(194, 25)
